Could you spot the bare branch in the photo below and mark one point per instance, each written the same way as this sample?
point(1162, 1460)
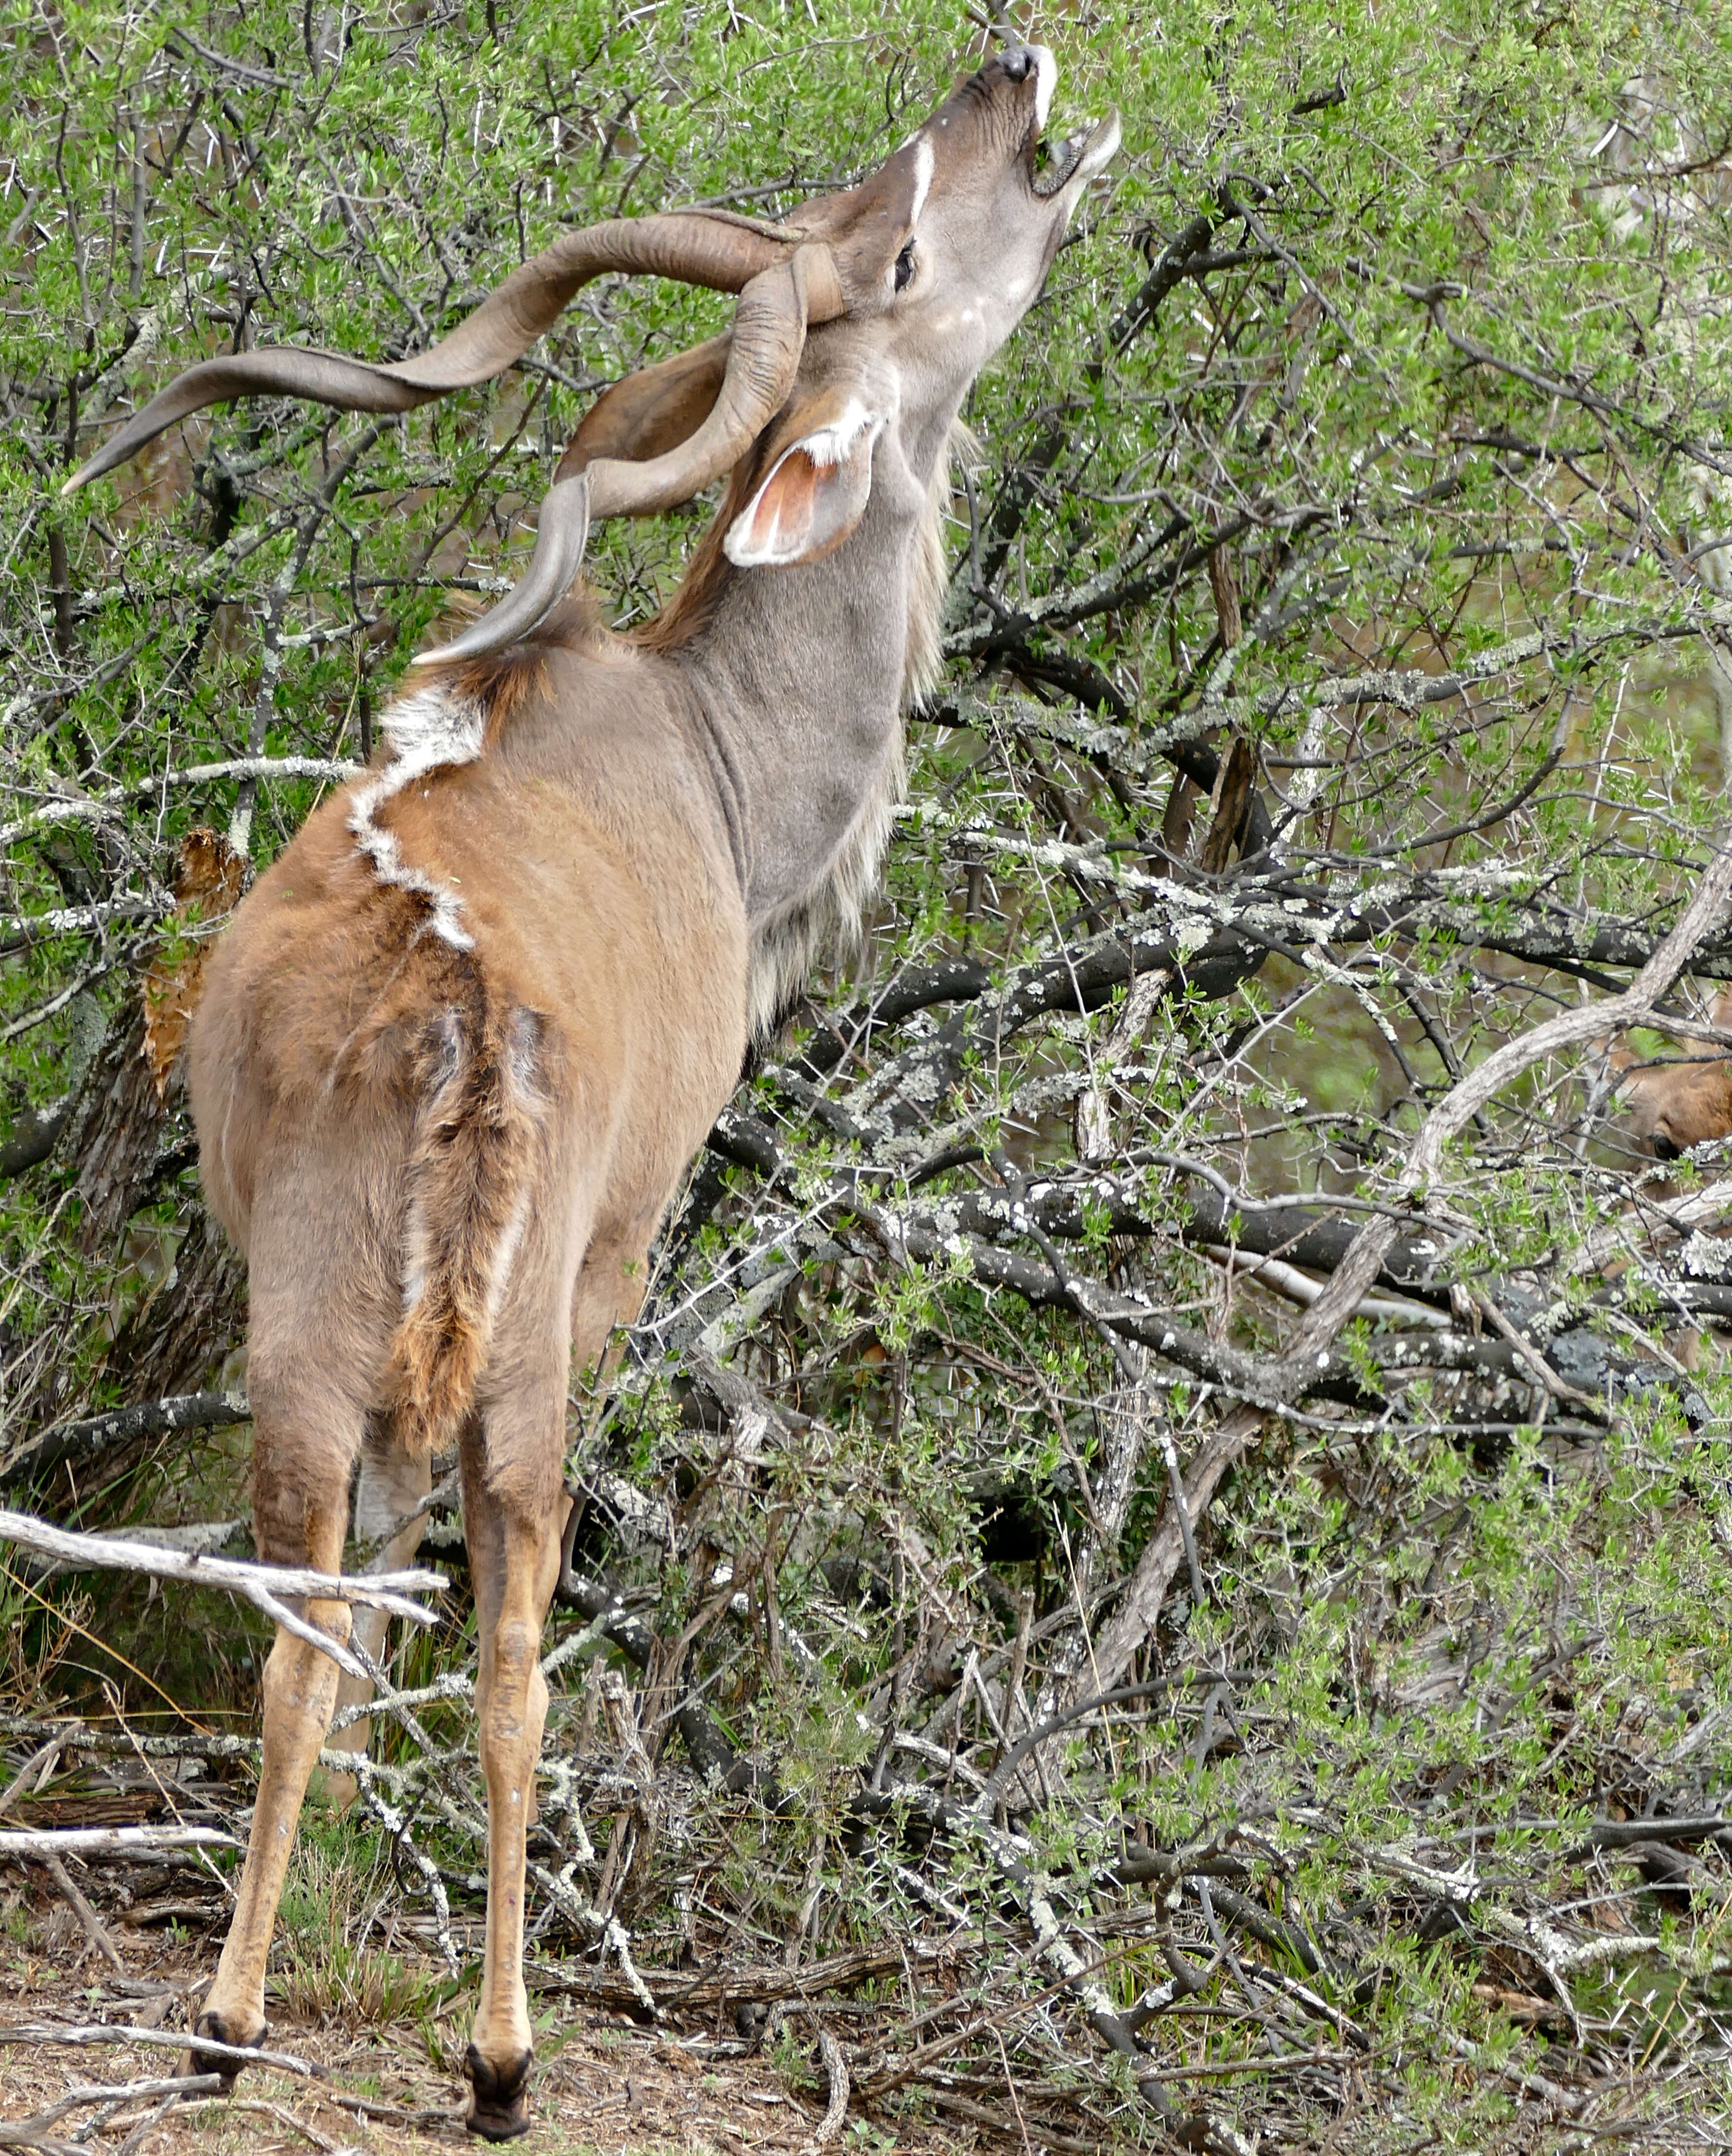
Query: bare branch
point(262, 1584)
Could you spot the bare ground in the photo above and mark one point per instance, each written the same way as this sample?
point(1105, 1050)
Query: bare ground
point(602, 2083)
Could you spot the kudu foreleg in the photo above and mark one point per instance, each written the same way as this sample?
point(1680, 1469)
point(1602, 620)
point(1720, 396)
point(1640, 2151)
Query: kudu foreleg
point(514, 1559)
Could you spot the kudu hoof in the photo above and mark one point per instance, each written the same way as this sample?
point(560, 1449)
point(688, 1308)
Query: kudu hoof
point(500, 2109)
point(219, 2030)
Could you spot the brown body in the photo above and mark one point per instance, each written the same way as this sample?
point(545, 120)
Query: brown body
point(611, 959)
point(1668, 1108)
point(461, 1040)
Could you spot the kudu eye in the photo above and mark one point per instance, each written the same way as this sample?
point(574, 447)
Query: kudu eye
point(1664, 1147)
point(905, 267)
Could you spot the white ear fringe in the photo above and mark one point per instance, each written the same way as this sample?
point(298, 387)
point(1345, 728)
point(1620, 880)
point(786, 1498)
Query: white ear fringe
point(836, 443)
point(827, 447)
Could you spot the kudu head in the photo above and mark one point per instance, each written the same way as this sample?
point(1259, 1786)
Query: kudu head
point(866, 312)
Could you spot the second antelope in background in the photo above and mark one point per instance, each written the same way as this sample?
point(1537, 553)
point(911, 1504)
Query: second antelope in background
point(461, 1040)
point(1669, 1107)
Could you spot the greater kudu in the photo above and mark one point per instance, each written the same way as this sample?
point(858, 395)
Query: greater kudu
point(462, 1039)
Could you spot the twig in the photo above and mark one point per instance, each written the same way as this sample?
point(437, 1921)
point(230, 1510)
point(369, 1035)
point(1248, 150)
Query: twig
point(98, 1434)
point(1366, 1255)
point(1146, 1590)
point(1077, 1977)
point(1570, 1030)
point(20, 2132)
point(88, 1921)
point(1543, 1372)
point(836, 2112)
point(1136, 1378)
point(99, 807)
point(42, 1759)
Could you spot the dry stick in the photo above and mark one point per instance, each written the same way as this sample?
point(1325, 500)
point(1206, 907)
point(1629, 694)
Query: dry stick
point(1543, 1374)
point(1571, 1028)
point(42, 1759)
point(264, 1585)
point(104, 2032)
point(146, 2125)
point(97, 807)
point(20, 2132)
point(88, 1922)
point(1052, 1946)
point(1364, 1260)
point(1136, 1378)
point(1146, 1590)
point(94, 1434)
point(835, 2111)
point(41, 1843)
point(29, 2133)
point(1299, 1288)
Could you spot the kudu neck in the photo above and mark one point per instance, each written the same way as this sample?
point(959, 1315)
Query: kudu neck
point(802, 676)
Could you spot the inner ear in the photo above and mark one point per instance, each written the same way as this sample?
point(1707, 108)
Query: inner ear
point(816, 493)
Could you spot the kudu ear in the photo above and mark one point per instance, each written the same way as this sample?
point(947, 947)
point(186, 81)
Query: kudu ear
point(816, 490)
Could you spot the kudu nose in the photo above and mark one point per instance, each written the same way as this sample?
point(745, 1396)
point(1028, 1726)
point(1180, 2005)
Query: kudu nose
point(1018, 62)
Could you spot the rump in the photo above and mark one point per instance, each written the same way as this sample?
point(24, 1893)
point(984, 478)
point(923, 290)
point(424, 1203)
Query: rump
point(483, 1153)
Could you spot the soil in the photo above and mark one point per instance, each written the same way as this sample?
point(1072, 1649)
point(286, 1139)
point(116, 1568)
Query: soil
point(601, 2084)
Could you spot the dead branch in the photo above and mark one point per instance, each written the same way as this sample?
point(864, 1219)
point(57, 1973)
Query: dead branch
point(26, 2132)
point(104, 2032)
point(42, 1843)
point(835, 2110)
point(88, 1921)
point(1571, 1029)
point(262, 1585)
point(97, 808)
point(88, 1440)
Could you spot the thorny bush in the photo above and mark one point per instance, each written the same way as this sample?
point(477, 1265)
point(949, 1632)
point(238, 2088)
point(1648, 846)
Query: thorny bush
point(1340, 686)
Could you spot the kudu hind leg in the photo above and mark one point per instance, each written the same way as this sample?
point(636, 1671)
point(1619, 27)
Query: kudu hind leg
point(393, 1482)
point(301, 1457)
point(513, 1520)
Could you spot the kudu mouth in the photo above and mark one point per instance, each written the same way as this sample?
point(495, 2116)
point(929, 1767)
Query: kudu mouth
point(1054, 166)
point(1075, 157)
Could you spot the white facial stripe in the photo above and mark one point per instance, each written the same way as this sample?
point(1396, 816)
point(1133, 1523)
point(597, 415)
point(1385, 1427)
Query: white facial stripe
point(1046, 82)
point(923, 177)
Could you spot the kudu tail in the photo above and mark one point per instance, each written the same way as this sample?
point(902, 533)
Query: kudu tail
point(479, 1142)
